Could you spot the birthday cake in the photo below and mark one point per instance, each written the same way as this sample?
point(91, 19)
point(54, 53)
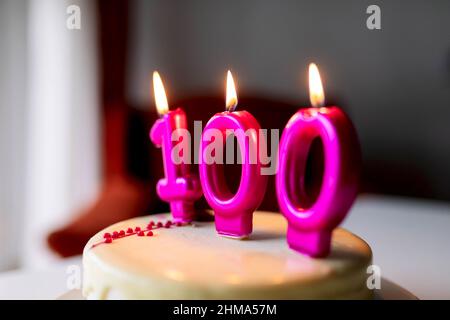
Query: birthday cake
point(301, 255)
point(153, 258)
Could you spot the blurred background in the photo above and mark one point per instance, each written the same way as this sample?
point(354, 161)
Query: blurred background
point(76, 105)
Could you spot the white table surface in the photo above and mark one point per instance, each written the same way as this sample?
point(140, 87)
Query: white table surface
point(410, 240)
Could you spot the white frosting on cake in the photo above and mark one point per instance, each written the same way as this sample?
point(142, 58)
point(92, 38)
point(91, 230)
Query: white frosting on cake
point(194, 262)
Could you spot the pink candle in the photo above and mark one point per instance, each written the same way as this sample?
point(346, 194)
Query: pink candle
point(179, 187)
point(310, 226)
point(233, 212)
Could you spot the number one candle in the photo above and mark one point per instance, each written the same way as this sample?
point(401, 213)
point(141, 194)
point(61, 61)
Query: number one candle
point(233, 212)
point(310, 226)
point(179, 187)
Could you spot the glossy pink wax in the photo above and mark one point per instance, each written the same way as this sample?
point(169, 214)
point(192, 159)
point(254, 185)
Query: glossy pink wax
point(310, 228)
point(179, 187)
point(234, 212)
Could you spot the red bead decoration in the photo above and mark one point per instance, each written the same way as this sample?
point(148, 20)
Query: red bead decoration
point(109, 237)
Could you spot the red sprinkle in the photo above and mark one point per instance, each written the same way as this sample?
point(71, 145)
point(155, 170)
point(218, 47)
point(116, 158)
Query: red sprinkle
point(109, 237)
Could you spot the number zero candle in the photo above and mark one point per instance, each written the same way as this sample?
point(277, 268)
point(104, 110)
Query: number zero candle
point(310, 227)
point(233, 212)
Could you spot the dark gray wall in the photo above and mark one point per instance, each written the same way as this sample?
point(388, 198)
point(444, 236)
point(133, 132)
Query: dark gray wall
point(395, 82)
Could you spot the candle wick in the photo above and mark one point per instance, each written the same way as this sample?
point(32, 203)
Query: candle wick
point(231, 105)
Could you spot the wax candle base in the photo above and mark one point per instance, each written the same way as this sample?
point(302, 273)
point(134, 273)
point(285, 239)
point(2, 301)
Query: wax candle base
point(315, 243)
point(236, 227)
point(232, 236)
point(182, 211)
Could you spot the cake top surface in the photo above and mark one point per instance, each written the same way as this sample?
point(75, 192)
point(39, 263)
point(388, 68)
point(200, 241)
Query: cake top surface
point(196, 255)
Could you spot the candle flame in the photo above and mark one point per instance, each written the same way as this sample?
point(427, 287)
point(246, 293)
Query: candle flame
point(316, 94)
point(231, 99)
point(160, 94)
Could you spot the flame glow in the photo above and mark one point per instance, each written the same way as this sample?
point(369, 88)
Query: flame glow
point(231, 98)
point(160, 94)
point(316, 94)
